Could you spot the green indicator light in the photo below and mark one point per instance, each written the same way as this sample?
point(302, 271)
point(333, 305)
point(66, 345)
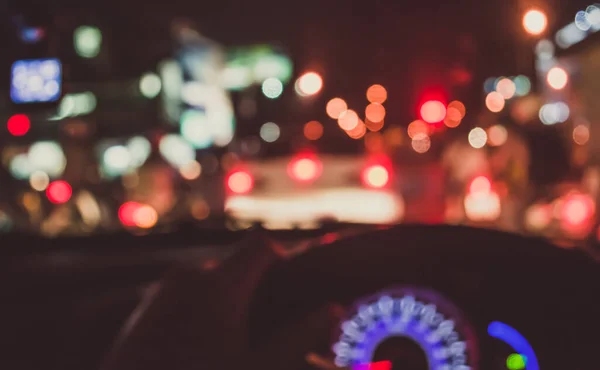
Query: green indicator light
point(516, 362)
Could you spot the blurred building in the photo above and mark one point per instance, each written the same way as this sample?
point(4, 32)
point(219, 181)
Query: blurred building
point(581, 62)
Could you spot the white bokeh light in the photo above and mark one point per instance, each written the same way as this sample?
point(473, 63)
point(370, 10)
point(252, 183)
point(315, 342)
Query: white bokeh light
point(117, 159)
point(477, 138)
point(176, 150)
point(270, 132)
point(47, 156)
point(150, 85)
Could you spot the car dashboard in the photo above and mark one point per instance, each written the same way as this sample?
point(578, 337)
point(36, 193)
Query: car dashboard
point(408, 297)
point(440, 298)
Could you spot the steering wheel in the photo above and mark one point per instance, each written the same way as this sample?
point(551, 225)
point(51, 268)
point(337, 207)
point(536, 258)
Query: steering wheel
point(262, 310)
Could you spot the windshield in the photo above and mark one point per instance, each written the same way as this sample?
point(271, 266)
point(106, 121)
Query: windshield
point(144, 116)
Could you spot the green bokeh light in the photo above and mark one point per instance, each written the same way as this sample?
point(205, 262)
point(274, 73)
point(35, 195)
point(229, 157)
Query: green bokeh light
point(516, 362)
point(253, 65)
point(88, 41)
point(523, 85)
point(272, 88)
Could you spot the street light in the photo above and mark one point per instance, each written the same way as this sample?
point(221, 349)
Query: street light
point(535, 22)
point(309, 84)
point(557, 78)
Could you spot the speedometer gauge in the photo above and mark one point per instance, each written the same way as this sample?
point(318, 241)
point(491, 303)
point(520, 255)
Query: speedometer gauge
point(407, 328)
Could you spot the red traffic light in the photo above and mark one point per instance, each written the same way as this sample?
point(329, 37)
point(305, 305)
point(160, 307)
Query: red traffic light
point(59, 192)
point(18, 125)
point(433, 111)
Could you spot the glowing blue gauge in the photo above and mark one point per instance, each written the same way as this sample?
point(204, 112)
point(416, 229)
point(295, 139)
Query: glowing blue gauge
point(514, 339)
point(424, 317)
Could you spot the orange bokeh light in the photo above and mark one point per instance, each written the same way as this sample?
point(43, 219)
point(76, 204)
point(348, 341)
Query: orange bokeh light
point(335, 107)
point(453, 118)
point(376, 94)
point(418, 127)
point(359, 131)
point(313, 130)
point(145, 217)
point(374, 126)
point(348, 120)
point(455, 114)
point(375, 112)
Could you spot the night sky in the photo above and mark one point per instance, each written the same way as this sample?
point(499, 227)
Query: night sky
point(411, 47)
point(406, 45)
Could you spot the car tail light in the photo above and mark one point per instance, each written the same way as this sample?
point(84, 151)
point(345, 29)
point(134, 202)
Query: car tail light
point(305, 168)
point(376, 176)
point(240, 182)
point(577, 209)
point(480, 184)
point(127, 213)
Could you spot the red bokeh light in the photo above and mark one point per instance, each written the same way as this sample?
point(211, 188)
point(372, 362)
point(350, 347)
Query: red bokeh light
point(577, 209)
point(59, 192)
point(240, 182)
point(127, 213)
point(18, 125)
point(480, 184)
point(305, 168)
point(376, 176)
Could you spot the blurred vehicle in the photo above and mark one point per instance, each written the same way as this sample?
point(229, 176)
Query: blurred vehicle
point(307, 189)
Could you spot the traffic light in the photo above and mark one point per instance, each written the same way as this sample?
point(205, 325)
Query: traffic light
point(18, 125)
point(433, 111)
point(432, 104)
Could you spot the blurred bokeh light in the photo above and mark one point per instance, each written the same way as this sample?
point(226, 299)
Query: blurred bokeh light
point(376, 94)
point(506, 87)
point(535, 21)
point(348, 120)
point(477, 138)
point(272, 88)
point(433, 111)
point(495, 102)
point(88, 41)
point(375, 112)
point(270, 132)
point(313, 130)
point(335, 107)
point(557, 78)
point(309, 84)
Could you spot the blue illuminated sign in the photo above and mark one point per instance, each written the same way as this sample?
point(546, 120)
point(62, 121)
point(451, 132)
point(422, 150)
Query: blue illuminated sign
point(36, 81)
